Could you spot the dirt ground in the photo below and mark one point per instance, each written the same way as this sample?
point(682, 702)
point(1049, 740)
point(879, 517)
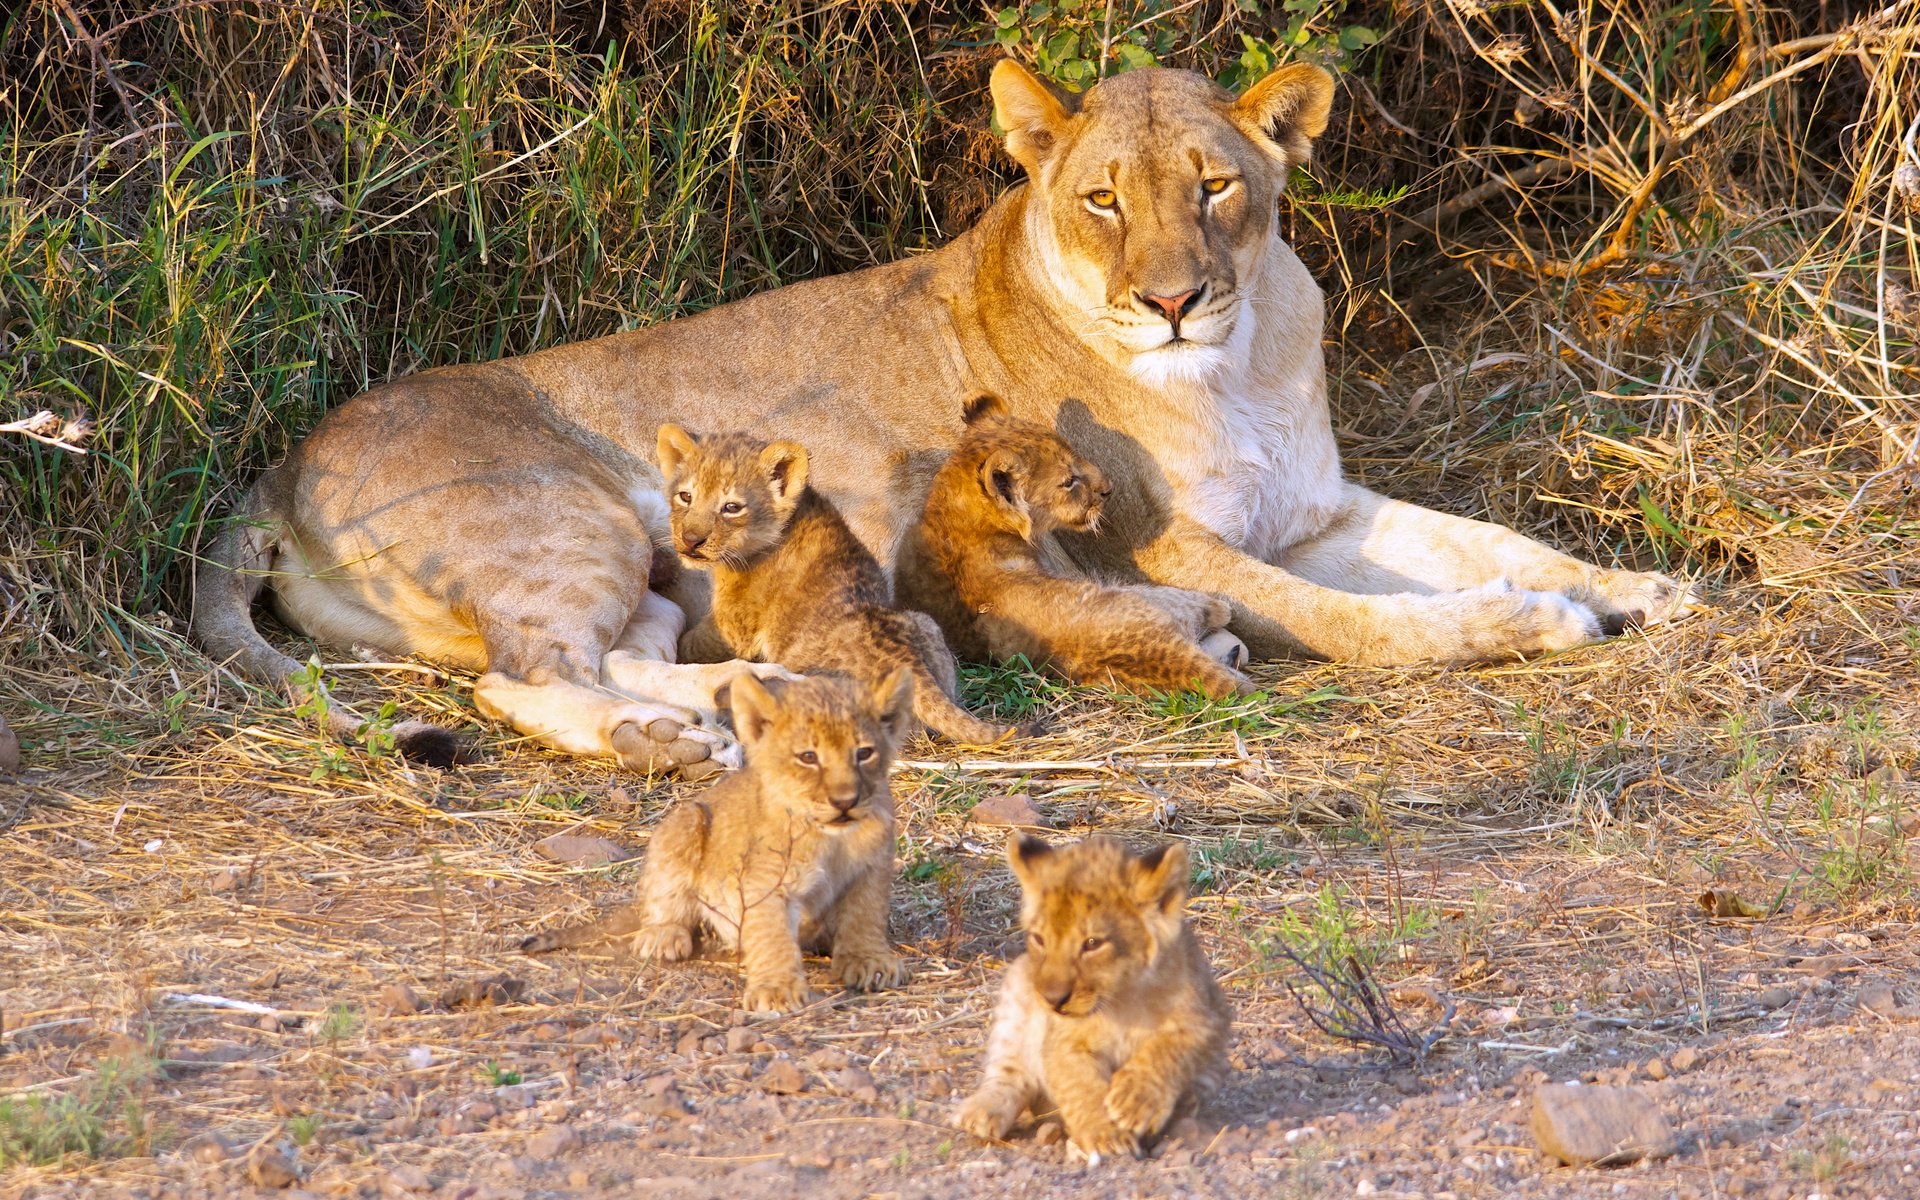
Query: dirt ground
point(1529, 845)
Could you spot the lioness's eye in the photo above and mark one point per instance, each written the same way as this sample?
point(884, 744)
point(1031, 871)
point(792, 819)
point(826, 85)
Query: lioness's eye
point(1103, 199)
point(683, 497)
point(808, 758)
point(1092, 944)
point(732, 508)
point(1036, 939)
point(1216, 185)
point(863, 754)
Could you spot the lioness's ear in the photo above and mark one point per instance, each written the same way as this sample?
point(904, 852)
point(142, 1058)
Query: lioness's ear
point(894, 700)
point(786, 466)
point(673, 446)
point(1029, 111)
point(1284, 112)
point(1003, 477)
point(1025, 853)
point(984, 407)
point(754, 708)
point(1160, 877)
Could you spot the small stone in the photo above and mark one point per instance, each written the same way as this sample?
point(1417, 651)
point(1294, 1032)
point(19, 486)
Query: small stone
point(1776, 997)
point(782, 1078)
point(595, 1035)
point(579, 1177)
point(1878, 998)
point(9, 750)
point(1686, 1058)
point(1656, 1068)
point(483, 1111)
point(1015, 810)
point(397, 1000)
point(830, 1059)
point(550, 1143)
point(580, 848)
point(495, 989)
point(407, 1181)
point(269, 1168)
point(207, 1149)
point(856, 1083)
point(689, 1044)
point(1602, 1126)
point(226, 879)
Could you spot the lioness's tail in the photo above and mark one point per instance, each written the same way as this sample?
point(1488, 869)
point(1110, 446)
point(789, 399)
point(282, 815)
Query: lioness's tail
point(225, 584)
point(618, 923)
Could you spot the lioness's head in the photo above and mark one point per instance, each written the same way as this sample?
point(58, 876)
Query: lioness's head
point(1097, 916)
point(729, 495)
point(824, 745)
point(1031, 480)
point(1155, 198)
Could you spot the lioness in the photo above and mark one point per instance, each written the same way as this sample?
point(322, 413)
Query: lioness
point(1134, 294)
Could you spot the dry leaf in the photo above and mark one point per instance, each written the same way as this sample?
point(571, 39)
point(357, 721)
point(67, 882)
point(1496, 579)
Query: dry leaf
point(1728, 904)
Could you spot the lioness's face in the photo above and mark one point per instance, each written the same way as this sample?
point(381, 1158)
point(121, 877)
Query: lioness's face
point(729, 495)
point(1158, 191)
point(1096, 916)
point(824, 745)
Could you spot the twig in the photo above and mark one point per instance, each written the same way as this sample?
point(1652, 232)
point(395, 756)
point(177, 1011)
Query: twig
point(61, 432)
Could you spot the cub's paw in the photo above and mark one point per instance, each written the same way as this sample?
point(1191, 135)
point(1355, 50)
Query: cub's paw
point(870, 972)
point(1638, 599)
point(664, 943)
point(1105, 1140)
point(1139, 1105)
point(1225, 649)
point(985, 1116)
point(776, 996)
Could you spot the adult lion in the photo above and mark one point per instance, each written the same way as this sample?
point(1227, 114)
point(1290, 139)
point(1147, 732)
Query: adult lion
point(1134, 293)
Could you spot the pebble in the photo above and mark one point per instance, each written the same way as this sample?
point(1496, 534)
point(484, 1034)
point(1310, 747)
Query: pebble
point(550, 1143)
point(741, 1039)
point(397, 1000)
point(1014, 810)
point(1878, 998)
point(1604, 1126)
point(1686, 1058)
point(782, 1078)
point(1776, 997)
point(579, 848)
point(857, 1084)
point(271, 1169)
point(406, 1181)
point(829, 1059)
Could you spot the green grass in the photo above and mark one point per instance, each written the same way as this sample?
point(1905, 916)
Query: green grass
point(1010, 689)
point(102, 1115)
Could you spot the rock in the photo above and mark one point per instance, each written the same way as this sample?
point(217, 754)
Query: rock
point(668, 1102)
point(397, 1000)
point(550, 1143)
point(830, 1059)
point(207, 1148)
point(1656, 1068)
point(1014, 810)
point(1686, 1058)
point(782, 1078)
point(226, 879)
point(600, 1034)
point(1776, 997)
point(1878, 998)
point(268, 1168)
point(740, 1039)
point(9, 750)
point(857, 1084)
point(1602, 1126)
point(495, 989)
point(581, 848)
point(407, 1181)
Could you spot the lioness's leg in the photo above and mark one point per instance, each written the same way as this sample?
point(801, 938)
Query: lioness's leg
point(1276, 611)
point(1380, 545)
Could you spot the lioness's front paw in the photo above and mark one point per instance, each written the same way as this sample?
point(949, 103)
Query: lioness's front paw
point(985, 1116)
point(1225, 649)
point(1105, 1140)
point(776, 996)
point(664, 943)
point(1638, 599)
point(650, 738)
point(1499, 621)
point(869, 972)
point(1140, 1105)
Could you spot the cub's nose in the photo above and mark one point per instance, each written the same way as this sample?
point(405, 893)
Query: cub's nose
point(844, 803)
point(1174, 307)
point(690, 542)
point(1057, 997)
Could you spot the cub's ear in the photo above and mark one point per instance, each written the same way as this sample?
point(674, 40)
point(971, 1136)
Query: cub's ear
point(1284, 112)
point(1030, 111)
point(754, 708)
point(674, 446)
point(785, 464)
point(984, 407)
point(1025, 854)
point(894, 701)
point(1160, 878)
point(1003, 477)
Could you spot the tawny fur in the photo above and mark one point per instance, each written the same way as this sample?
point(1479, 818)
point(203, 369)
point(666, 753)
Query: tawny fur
point(793, 853)
point(1112, 1015)
point(791, 584)
point(975, 564)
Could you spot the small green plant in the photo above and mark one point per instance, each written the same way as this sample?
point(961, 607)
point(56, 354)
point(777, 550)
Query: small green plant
point(1011, 689)
point(499, 1076)
point(339, 1024)
point(100, 1116)
point(1262, 712)
point(1334, 929)
point(1825, 1163)
point(1214, 865)
point(304, 1128)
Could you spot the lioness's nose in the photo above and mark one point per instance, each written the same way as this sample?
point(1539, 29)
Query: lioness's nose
point(1174, 306)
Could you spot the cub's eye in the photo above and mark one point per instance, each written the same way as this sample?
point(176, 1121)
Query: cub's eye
point(683, 497)
point(1216, 185)
point(732, 508)
point(1103, 199)
point(1092, 944)
point(1073, 481)
point(863, 754)
point(808, 758)
point(1037, 940)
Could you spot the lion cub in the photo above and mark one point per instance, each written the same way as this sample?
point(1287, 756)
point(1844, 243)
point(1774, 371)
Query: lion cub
point(794, 851)
point(975, 564)
point(791, 583)
point(1112, 1014)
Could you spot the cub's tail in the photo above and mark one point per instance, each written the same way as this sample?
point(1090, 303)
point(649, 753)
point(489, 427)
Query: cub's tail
point(618, 923)
point(226, 583)
point(936, 709)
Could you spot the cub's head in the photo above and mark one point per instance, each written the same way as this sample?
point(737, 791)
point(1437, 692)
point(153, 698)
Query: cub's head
point(1154, 199)
point(823, 745)
point(729, 495)
point(1097, 916)
point(1031, 480)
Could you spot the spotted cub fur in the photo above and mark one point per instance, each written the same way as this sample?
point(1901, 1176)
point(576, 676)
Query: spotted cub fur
point(1113, 1014)
point(976, 563)
point(794, 851)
